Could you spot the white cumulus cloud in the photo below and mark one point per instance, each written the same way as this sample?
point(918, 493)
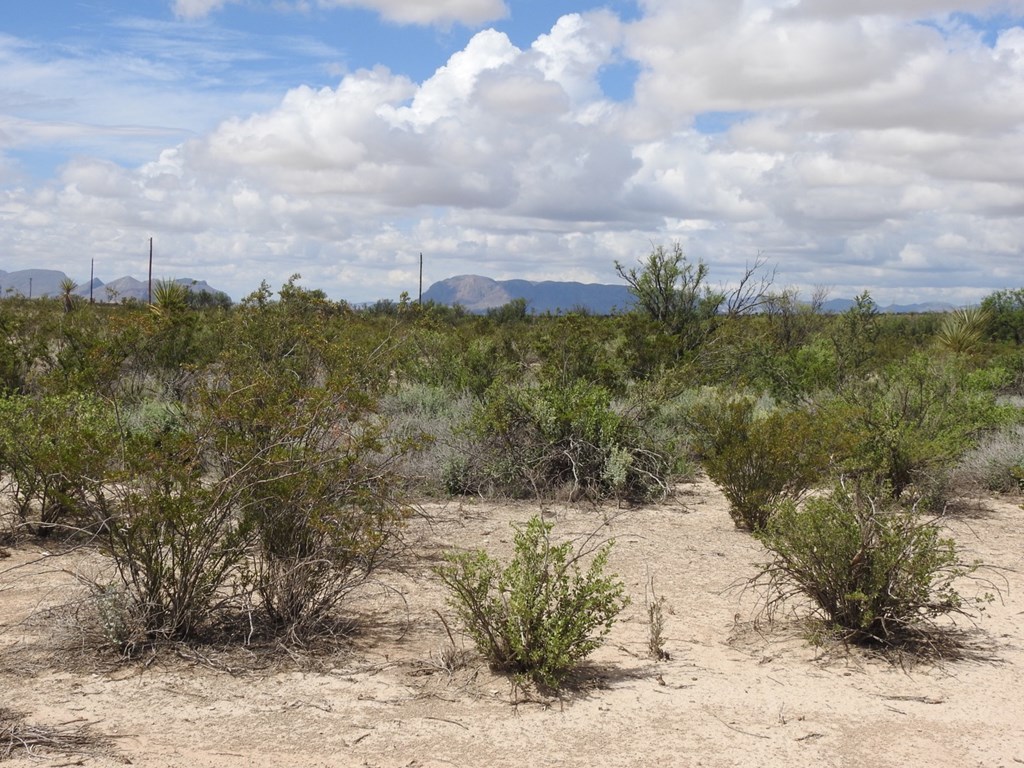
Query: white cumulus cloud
point(469, 12)
point(855, 145)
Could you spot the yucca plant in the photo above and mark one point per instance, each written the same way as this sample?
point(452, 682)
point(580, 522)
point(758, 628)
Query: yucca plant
point(963, 329)
point(169, 298)
point(67, 293)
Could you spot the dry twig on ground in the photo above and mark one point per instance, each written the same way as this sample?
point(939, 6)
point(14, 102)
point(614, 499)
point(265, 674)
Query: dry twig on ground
point(18, 737)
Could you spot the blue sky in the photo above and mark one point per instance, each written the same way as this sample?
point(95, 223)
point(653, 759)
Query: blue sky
point(877, 145)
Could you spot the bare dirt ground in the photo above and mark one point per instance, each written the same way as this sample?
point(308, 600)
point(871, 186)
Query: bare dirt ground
point(734, 692)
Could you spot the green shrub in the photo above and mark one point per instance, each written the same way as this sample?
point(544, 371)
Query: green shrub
point(1005, 314)
point(550, 439)
point(875, 572)
point(312, 471)
point(271, 489)
point(324, 508)
point(16, 352)
point(756, 458)
point(56, 451)
point(174, 539)
point(461, 358)
point(797, 374)
point(908, 425)
point(541, 614)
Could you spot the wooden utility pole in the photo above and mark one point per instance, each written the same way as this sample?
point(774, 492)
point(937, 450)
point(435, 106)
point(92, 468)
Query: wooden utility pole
point(150, 271)
point(92, 277)
point(421, 279)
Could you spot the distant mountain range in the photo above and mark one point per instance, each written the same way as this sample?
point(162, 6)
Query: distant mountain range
point(46, 282)
point(478, 294)
point(474, 292)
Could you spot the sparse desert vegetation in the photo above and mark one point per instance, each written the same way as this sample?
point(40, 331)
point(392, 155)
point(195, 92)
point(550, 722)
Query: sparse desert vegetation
point(445, 511)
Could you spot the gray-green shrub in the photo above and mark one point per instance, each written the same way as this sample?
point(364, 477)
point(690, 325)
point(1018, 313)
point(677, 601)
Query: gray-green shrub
point(550, 439)
point(996, 463)
point(438, 420)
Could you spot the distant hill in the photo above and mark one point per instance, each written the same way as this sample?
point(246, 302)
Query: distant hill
point(46, 282)
point(478, 294)
point(837, 306)
point(34, 282)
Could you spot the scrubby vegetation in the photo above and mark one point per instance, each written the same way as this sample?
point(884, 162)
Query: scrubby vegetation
point(877, 573)
point(257, 461)
point(540, 615)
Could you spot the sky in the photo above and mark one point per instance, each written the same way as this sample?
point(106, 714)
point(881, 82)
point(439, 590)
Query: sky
point(874, 145)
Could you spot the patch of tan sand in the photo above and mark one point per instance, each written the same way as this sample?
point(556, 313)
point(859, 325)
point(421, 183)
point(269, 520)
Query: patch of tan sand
point(734, 692)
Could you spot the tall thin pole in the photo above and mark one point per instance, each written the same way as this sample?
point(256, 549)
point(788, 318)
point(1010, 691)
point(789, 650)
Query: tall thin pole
point(150, 271)
point(30, 287)
point(92, 277)
point(421, 279)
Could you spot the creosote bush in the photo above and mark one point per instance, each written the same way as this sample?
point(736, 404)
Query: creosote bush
point(876, 572)
point(174, 538)
point(758, 459)
point(540, 615)
point(54, 453)
point(272, 493)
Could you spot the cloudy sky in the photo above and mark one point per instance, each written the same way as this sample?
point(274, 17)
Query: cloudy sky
point(876, 144)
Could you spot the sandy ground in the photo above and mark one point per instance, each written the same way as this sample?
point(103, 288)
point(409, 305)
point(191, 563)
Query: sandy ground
point(734, 692)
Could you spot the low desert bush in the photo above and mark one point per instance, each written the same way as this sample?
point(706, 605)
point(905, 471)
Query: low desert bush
point(758, 458)
point(996, 463)
point(175, 540)
point(540, 615)
point(547, 440)
point(56, 452)
point(437, 420)
point(877, 573)
point(909, 425)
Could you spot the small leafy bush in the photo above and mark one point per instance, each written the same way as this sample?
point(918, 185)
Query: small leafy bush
point(878, 573)
point(757, 458)
point(540, 615)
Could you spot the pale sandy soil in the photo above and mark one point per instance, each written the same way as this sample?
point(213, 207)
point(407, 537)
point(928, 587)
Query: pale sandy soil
point(733, 693)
